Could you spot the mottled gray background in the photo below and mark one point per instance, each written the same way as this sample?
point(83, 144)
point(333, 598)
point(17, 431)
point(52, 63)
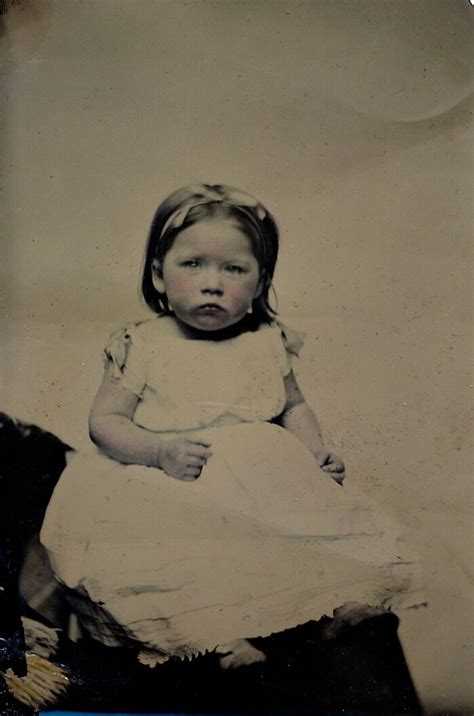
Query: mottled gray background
point(351, 120)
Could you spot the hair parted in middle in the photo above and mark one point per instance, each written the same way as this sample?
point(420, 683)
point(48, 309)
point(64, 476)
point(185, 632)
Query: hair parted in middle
point(201, 202)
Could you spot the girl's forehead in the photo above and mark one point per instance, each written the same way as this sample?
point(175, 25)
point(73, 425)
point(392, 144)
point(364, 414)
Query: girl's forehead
point(215, 235)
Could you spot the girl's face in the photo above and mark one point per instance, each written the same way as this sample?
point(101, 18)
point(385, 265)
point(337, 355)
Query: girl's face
point(210, 275)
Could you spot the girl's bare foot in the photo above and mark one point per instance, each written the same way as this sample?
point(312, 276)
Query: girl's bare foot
point(239, 653)
point(350, 614)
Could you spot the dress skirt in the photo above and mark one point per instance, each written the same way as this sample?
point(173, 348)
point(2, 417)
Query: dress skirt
point(262, 541)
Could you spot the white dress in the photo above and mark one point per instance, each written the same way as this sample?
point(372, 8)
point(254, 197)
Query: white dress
point(261, 542)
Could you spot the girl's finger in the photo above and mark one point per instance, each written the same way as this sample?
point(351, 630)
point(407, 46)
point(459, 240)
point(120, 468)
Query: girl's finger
point(333, 467)
point(197, 451)
point(187, 478)
point(323, 458)
point(195, 461)
point(192, 472)
point(198, 441)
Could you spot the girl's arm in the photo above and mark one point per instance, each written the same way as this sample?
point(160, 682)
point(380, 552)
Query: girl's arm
point(112, 429)
point(111, 426)
point(299, 419)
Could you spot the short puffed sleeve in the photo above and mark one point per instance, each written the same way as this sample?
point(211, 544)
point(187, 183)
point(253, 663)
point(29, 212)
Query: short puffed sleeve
point(125, 350)
point(288, 345)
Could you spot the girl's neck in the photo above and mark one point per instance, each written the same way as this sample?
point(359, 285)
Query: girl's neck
point(246, 325)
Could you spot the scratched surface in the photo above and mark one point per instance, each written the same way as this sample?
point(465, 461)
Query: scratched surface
point(352, 121)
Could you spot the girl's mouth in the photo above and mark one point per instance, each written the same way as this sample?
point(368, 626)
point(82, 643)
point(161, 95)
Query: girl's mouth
point(210, 309)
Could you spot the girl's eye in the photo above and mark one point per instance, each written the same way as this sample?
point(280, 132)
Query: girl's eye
point(191, 263)
point(235, 269)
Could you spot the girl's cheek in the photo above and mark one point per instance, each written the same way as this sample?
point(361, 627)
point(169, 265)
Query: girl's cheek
point(242, 290)
point(178, 283)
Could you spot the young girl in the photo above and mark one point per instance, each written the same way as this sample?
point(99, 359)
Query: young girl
point(211, 511)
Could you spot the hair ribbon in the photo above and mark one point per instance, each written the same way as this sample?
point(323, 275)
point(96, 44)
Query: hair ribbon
point(232, 198)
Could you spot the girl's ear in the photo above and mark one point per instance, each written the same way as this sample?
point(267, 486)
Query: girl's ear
point(157, 276)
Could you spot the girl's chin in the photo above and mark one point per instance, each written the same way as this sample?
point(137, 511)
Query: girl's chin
point(211, 322)
point(213, 326)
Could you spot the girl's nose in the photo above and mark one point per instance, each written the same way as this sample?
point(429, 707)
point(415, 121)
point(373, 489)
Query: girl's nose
point(211, 281)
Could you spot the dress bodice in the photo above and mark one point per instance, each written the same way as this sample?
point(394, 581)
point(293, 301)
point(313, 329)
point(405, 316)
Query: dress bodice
point(187, 384)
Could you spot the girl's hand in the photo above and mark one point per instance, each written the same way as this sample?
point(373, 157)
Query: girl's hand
point(183, 458)
point(332, 464)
